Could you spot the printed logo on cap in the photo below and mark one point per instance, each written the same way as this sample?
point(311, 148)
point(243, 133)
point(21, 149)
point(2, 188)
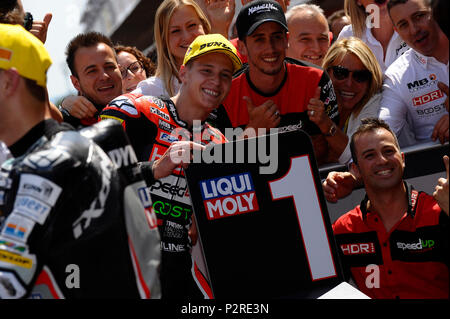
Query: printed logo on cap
point(5, 54)
point(262, 7)
point(215, 43)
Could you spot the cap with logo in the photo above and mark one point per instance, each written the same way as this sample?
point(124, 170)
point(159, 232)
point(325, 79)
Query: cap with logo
point(255, 13)
point(21, 50)
point(212, 43)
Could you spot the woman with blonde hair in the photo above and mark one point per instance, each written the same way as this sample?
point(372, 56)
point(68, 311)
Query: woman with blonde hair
point(357, 80)
point(371, 23)
point(177, 24)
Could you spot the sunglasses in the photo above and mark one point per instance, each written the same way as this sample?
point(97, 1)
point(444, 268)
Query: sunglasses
point(134, 67)
point(360, 76)
point(380, 1)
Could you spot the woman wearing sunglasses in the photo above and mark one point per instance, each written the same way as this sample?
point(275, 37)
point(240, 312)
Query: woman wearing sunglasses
point(371, 23)
point(357, 80)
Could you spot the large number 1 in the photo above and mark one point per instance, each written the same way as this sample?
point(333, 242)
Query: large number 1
point(298, 183)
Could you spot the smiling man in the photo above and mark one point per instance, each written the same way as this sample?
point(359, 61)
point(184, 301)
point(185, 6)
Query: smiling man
point(395, 243)
point(154, 126)
point(63, 201)
point(275, 91)
point(95, 73)
point(309, 37)
point(413, 103)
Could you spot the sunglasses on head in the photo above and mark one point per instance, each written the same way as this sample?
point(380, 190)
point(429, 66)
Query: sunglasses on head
point(360, 76)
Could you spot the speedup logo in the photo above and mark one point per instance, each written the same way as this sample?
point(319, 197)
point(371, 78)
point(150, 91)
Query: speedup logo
point(228, 196)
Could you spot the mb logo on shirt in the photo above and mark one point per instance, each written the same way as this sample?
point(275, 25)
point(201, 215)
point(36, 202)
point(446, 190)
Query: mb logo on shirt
point(228, 196)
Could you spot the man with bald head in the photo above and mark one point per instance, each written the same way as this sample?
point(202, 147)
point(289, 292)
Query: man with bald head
point(309, 34)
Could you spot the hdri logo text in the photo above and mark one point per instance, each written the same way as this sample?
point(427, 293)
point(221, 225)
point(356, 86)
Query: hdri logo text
point(228, 196)
point(358, 248)
point(427, 98)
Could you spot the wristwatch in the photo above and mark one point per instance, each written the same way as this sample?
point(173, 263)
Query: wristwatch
point(331, 131)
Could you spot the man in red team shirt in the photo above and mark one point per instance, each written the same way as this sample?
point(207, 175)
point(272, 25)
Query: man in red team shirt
point(275, 91)
point(395, 243)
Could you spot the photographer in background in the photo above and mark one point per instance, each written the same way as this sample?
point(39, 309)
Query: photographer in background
point(12, 12)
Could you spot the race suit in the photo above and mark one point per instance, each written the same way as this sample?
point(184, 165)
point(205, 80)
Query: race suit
point(73, 225)
point(151, 123)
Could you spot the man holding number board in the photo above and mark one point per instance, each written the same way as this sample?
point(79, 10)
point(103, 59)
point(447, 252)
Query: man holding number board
point(163, 135)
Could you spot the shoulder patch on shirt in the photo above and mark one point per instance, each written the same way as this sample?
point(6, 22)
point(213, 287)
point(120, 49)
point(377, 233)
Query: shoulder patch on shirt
point(15, 259)
point(124, 104)
point(17, 227)
point(32, 208)
point(45, 159)
point(39, 188)
point(360, 249)
point(423, 245)
point(156, 101)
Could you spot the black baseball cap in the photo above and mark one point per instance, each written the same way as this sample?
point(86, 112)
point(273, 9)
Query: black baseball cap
point(255, 13)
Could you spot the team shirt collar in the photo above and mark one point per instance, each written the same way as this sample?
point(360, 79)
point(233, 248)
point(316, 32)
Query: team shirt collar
point(173, 112)
point(254, 88)
point(424, 60)
point(411, 197)
point(374, 41)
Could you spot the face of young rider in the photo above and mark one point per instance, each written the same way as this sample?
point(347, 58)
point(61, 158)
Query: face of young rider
point(207, 80)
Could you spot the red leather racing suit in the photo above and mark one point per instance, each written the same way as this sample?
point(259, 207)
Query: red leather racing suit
point(151, 123)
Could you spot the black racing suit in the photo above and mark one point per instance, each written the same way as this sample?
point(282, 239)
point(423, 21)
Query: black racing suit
point(150, 123)
point(72, 223)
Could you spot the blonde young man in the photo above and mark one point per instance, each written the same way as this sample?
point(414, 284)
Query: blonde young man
point(153, 125)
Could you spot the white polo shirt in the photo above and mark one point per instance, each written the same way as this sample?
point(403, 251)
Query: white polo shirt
point(410, 91)
point(396, 46)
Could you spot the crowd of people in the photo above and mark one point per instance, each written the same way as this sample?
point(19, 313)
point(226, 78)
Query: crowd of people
point(364, 83)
